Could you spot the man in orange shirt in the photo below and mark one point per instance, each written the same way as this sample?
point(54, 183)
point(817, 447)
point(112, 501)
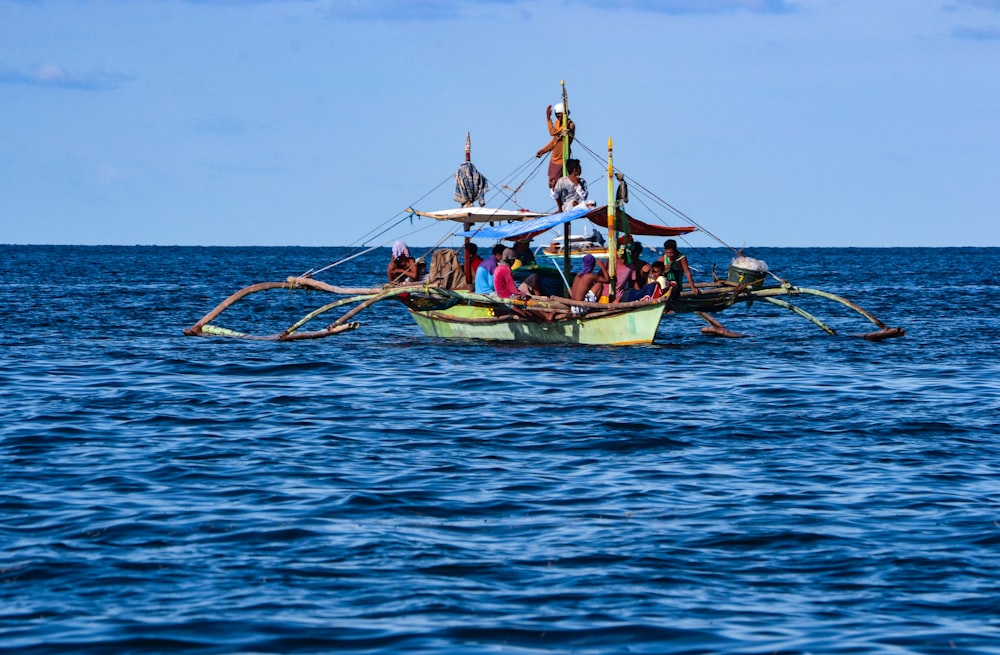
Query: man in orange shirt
point(555, 145)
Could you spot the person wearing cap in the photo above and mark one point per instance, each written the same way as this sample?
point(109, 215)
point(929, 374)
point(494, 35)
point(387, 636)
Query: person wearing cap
point(587, 284)
point(503, 279)
point(555, 144)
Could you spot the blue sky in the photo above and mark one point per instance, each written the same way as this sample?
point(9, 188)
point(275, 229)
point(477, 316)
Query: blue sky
point(313, 122)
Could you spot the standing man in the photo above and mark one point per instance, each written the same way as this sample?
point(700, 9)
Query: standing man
point(559, 134)
point(676, 266)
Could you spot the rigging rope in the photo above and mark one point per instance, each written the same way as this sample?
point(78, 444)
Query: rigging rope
point(666, 205)
point(377, 231)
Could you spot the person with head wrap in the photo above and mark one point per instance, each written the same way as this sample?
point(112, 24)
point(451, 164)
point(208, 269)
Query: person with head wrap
point(402, 267)
point(587, 284)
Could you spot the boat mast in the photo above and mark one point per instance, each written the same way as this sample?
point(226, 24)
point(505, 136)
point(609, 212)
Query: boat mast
point(567, 267)
point(467, 226)
point(612, 245)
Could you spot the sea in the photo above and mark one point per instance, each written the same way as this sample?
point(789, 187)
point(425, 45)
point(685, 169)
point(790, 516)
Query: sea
point(380, 491)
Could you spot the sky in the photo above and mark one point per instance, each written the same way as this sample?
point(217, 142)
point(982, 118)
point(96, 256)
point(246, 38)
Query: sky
point(813, 123)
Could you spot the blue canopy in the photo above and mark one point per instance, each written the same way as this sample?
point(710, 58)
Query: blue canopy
point(533, 226)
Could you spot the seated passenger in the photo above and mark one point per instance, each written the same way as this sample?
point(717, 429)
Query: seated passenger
point(587, 284)
point(503, 279)
point(656, 285)
point(523, 251)
point(486, 270)
point(471, 262)
point(402, 267)
point(532, 286)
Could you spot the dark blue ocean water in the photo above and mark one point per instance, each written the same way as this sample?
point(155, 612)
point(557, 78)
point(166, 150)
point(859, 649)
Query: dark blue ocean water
point(381, 491)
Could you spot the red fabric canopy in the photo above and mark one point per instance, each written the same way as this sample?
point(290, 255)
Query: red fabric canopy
point(599, 216)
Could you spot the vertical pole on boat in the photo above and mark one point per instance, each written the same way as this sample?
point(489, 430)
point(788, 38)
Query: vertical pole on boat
point(467, 226)
point(567, 266)
point(612, 244)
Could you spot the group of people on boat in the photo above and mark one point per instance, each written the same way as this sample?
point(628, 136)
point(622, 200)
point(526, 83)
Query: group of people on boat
point(493, 274)
point(634, 278)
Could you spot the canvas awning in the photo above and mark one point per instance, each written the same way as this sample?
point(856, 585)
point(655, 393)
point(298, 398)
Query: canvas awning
point(479, 214)
point(529, 227)
point(596, 215)
point(599, 216)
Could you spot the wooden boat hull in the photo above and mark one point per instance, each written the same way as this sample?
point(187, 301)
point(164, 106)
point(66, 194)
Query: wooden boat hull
point(626, 327)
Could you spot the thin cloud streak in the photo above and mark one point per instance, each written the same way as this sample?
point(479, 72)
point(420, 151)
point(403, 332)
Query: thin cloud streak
point(434, 10)
point(697, 6)
point(56, 77)
point(402, 11)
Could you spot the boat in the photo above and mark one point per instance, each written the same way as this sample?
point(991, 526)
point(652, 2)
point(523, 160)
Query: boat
point(579, 245)
point(443, 305)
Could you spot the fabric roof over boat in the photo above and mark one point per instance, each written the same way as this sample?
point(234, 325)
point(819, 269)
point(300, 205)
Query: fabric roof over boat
point(478, 214)
point(597, 215)
point(532, 226)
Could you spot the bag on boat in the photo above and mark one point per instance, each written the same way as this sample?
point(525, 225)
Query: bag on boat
point(446, 271)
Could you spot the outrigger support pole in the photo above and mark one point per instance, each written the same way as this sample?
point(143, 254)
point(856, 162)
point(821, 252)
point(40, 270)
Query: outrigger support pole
point(801, 312)
point(716, 328)
point(365, 298)
point(884, 332)
point(769, 295)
